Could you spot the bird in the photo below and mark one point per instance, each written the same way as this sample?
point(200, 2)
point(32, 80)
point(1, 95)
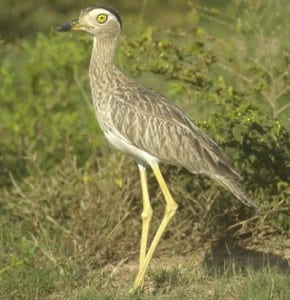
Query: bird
point(147, 126)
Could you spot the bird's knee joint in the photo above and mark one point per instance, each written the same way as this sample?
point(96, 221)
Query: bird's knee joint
point(171, 209)
point(146, 214)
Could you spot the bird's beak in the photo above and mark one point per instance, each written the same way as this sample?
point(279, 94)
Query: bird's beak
point(72, 25)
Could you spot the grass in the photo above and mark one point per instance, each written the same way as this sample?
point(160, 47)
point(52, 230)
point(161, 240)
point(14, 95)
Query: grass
point(81, 241)
point(192, 284)
point(178, 281)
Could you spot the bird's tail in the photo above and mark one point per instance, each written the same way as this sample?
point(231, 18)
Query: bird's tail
point(234, 187)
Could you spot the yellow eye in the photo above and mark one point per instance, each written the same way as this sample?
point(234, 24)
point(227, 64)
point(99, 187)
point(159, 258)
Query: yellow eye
point(102, 18)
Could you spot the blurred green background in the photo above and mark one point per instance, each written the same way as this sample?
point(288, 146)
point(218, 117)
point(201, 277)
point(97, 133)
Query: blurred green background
point(70, 203)
point(26, 19)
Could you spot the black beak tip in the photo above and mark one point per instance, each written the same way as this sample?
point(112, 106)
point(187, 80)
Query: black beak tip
point(64, 27)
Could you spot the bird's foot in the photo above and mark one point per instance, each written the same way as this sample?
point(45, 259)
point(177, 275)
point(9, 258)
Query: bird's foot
point(137, 286)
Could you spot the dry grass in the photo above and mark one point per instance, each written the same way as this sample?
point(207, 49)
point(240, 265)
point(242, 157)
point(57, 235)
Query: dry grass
point(74, 234)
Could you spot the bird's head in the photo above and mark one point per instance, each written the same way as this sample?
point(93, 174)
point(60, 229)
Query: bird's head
point(98, 21)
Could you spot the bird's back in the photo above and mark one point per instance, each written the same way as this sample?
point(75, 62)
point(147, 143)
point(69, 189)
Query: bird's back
point(156, 125)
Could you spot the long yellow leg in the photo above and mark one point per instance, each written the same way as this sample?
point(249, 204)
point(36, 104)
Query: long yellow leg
point(146, 215)
point(170, 209)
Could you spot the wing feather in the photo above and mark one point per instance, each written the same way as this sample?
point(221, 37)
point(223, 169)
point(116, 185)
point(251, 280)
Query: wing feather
point(156, 125)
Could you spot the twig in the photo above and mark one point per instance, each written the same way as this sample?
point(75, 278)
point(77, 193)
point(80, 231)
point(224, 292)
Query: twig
point(235, 72)
point(114, 230)
point(243, 222)
point(46, 254)
point(281, 109)
point(82, 91)
point(18, 189)
point(120, 263)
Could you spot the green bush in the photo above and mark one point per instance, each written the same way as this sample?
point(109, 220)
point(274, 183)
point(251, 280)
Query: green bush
point(44, 105)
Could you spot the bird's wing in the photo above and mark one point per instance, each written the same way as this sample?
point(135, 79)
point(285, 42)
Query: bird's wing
point(156, 125)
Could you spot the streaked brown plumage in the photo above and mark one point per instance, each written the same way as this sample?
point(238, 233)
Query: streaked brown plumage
point(146, 125)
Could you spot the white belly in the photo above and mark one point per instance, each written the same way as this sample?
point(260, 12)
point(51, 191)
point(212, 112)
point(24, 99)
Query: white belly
point(125, 146)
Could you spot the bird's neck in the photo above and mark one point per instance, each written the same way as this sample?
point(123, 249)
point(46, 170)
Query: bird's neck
point(103, 54)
